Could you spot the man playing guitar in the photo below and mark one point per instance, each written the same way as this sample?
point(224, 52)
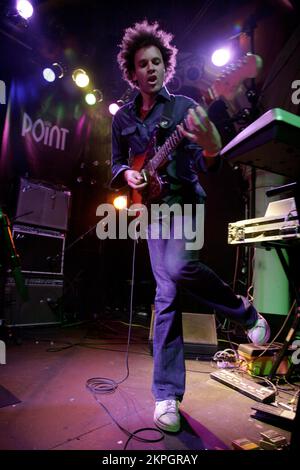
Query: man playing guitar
point(147, 59)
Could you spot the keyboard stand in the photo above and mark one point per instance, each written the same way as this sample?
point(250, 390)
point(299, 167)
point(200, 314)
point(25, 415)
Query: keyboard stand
point(295, 436)
point(295, 187)
point(272, 143)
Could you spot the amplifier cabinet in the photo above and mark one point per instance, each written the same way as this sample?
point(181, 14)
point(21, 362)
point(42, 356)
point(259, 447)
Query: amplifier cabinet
point(41, 251)
point(199, 335)
point(43, 205)
point(43, 306)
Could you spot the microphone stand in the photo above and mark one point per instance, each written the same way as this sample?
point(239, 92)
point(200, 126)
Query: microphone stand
point(81, 237)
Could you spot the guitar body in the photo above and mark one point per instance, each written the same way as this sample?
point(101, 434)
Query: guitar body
point(156, 184)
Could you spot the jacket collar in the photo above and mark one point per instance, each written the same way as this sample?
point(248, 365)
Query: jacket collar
point(163, 95)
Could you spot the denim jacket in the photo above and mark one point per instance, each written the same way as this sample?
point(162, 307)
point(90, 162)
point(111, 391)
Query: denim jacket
point(131, 136)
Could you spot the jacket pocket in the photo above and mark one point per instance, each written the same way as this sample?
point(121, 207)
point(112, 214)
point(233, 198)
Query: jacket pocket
point(128, 130)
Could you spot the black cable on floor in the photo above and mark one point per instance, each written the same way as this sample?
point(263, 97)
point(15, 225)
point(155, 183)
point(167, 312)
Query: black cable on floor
point(101, 385)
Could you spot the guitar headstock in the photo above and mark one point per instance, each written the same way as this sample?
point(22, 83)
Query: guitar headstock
point(228, 83)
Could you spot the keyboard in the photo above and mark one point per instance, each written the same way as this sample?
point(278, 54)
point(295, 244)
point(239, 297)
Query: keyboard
point(272, 412)
point(245, 386)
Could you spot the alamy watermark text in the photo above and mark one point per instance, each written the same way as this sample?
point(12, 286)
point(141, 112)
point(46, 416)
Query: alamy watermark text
point(160, 221)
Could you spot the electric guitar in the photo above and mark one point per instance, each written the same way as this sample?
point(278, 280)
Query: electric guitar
point(149, 163)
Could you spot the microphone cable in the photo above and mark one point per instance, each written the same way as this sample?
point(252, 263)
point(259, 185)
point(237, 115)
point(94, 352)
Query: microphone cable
point(102, 385)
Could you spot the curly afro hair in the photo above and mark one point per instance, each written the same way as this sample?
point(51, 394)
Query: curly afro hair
point(142, 35)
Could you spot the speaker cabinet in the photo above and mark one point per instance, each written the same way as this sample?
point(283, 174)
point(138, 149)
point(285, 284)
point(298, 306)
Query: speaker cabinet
point(43, 306)
point(43, 205)
point(41, 251)
point(199, 335)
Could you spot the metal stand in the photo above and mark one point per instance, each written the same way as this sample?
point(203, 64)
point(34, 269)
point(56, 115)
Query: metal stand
point(68, 247)
point(296, 322)
point(295, 187)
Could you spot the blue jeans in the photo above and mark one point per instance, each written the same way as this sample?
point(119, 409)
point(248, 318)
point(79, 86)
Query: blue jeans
point(175, 266)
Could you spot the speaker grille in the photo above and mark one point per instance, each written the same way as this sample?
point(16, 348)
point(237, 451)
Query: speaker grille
point(41, 251)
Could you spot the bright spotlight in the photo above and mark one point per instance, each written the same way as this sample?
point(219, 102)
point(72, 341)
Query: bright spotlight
point(120, 202)
point(113, 108)
point(81, 78)
point(25, 9)
point(53, 72)
point(90, 99)
point(95, 96)
point(220, 57)
point(48, 75)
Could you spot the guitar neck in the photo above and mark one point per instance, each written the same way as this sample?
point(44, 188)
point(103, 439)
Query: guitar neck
point(225, 86)
point(162, 155)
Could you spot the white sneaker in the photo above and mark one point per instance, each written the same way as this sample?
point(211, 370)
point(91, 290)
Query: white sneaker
point(259, 334)
point(166, 415)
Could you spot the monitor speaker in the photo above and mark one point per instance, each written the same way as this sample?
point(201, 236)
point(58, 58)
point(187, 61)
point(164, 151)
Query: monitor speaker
point(199, 335)
point(43, 307)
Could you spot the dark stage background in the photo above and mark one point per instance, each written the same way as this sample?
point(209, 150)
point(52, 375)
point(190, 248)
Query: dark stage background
point(77, 158)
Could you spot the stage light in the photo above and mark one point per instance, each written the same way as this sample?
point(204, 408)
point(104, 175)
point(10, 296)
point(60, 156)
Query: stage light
point(125, 98)
point(113, 108)
point(25, 9)
point(90, 98)
point(81, 78)
point(221, 57)
point(120, 202)
point(55, 71)
point(48, 75)
point(93, 97)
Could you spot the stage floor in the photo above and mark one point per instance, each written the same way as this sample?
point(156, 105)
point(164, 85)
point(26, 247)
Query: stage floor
point(46, 372)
